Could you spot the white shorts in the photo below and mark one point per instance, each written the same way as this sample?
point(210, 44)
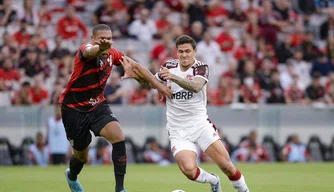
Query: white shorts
point(186, 139)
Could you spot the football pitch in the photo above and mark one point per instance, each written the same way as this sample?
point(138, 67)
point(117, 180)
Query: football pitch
point(311, 177)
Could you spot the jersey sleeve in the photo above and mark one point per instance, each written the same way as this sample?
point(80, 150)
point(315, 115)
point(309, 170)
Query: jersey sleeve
point(82, 49)
point(117, 56)
point(171, 63)
point(202, 71)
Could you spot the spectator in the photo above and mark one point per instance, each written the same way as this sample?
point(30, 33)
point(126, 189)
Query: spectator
point(270, 22)
point(22, 36)
point(245, 154)
point(113, 91)
point(196, 11)
point(216, 13)
point(69, 25)
point(8, 48)
point(315, 92)
point(29, 13)
point(39, 152)
point(286, 77)
point(155, 154)
point(107, 14)
point(7, 14)
point(9, 75)
point(59, 147)
point(327, 28)
point(163, 25)
point(264, 75)
point(306, 6)
point(250, 91)
point(237, 16)
point(59, 51)
point(30, 66)
point(144, 28)
point(101, 153)
point(302, 68)
point(256, 148)
point(225, 39)
point(23, 96)
point(284, 49)
point(294, 94)
point(196, 31)
point(58, 89)
point(276, 91)
point(322, 65)
point(223, 94)
point(252, 26)
point(310, 49)
point(44, 14)
point(139, 96)
point(295, 151)
point(208, 50)
point(39, 93)
point(330, 81)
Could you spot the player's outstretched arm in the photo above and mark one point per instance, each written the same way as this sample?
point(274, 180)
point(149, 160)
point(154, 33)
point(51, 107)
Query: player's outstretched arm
point(92, 51)
point(143, 76)
point(194, 85)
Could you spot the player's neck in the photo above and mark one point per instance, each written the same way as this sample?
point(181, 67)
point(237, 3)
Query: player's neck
point(185, 68)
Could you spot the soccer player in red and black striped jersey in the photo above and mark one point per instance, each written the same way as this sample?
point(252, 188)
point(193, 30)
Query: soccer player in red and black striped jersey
point(85, 109)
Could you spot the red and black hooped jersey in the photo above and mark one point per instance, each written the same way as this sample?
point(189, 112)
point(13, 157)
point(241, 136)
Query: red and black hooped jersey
point(85, 89)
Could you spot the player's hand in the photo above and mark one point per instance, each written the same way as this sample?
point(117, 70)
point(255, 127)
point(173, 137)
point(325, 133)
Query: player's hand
point(128, 69)
point(104, 44)
point(164, 91)
point(164, 73)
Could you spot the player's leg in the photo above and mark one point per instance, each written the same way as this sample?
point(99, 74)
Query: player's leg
point(186, 160)
point(217, 152)
point(105, 124)
point(77, 131)
point(113, 133)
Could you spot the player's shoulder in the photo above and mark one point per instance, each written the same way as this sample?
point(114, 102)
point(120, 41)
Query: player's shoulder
point(199, 64)
point(171, 63)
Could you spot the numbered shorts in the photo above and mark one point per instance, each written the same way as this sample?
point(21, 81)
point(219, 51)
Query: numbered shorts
point(188, 138)
point(79, 124)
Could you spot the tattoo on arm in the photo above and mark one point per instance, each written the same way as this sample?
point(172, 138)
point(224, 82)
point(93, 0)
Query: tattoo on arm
point(194, 85)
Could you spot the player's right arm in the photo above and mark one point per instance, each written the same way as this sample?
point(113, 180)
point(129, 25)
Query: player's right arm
point(92, 51)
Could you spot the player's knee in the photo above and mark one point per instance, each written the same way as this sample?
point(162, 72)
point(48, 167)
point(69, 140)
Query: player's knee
point(83, 158)
point(189, 170)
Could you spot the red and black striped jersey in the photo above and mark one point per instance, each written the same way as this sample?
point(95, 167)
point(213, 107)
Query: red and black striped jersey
point(85, 89)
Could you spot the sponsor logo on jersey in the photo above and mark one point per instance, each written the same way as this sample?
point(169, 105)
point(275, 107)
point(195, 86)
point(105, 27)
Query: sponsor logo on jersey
point(93, 102)
point(183, 95)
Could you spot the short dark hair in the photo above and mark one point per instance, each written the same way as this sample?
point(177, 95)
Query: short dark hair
point(100, 27)
point(183, 39)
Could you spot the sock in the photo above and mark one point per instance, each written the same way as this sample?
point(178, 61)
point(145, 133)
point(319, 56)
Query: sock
point(204, 177)
point(238, 182)
point(119, 159)
point(75, 168)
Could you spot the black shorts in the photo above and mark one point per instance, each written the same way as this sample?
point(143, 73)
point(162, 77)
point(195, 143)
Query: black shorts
point(79, 124)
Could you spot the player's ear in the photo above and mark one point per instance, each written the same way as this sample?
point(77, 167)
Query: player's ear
point(92, 38)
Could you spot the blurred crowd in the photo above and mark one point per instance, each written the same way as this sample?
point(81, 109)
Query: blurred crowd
point(258, 51)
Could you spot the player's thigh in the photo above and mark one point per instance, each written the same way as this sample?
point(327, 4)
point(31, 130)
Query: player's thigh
point(112, 132)
point(218, 153)
point(106, 124)
point(77, 126)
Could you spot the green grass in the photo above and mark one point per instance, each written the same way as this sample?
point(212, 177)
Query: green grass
point(146, 178)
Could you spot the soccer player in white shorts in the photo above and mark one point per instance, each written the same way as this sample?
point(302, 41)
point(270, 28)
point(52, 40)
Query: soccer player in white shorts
point(187, 120)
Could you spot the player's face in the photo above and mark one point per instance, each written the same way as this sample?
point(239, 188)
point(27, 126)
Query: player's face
point(186, 54)
point(103, 35)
